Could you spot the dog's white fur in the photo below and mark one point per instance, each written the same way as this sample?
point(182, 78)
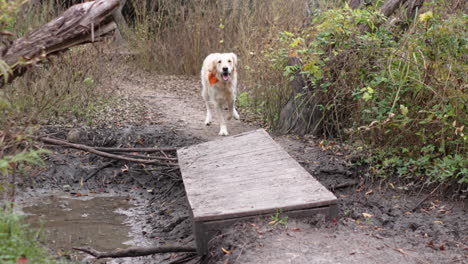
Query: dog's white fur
point(222, 92)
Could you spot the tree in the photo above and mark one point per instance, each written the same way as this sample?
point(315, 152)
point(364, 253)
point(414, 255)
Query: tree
point(80, 24)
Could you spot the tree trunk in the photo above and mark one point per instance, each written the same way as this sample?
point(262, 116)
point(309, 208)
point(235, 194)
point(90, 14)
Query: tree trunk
point(300, 115)
point(391, 6)
point(82, 23)
point(353, 4)
point(122, 25)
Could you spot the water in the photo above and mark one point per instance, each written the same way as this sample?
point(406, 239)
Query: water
point(81, 221)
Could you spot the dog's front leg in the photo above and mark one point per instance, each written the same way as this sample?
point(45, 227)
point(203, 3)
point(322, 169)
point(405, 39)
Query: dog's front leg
point(222, 122)
point(232, 110)
point(209, 117)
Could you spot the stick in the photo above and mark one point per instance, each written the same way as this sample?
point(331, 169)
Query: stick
point(168, 190)
point(407, 254)
point(343, 185)
point(99, 169)
point(134, 149)
point(183, 259)
point(100, 153)
point(425, 198)
point(148, 157)
point(134, 251)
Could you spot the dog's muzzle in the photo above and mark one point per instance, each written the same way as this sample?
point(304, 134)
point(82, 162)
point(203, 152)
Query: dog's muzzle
point(225, 74)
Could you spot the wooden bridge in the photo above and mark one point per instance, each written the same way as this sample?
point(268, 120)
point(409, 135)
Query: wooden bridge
point(244, 176)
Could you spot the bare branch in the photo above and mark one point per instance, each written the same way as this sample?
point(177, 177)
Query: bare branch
point(100, 153)
point(135, 251)
point(148, 150)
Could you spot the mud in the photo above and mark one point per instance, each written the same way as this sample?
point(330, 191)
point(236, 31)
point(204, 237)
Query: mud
point(123, 205)
point(378, 222)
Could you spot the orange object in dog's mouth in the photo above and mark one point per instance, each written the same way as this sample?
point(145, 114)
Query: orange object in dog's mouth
point(225, 76)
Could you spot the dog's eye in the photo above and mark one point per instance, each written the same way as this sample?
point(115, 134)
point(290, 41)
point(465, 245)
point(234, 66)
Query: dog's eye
point(219, 61)
point(229, 61)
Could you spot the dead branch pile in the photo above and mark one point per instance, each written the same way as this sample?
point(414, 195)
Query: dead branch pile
point(107, 152)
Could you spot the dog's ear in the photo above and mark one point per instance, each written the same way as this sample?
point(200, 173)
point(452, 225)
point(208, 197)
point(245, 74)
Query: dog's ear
point(234, 58)
point(212, 66)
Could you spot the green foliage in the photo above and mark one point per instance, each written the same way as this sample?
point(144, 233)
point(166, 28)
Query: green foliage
point(244, 100)
point(32, 157)
point(278, 219)
point(8, 10)
point(399, 92)
point(17, 241)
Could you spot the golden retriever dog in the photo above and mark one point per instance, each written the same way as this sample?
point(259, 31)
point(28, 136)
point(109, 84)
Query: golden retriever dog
point(219, 87)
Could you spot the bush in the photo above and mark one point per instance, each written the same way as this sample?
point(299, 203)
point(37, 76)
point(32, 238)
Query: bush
point(400, 93)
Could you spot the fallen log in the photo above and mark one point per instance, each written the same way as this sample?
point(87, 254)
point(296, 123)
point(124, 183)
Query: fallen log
point(81, 23)
point(135, 251)
point(100, 153)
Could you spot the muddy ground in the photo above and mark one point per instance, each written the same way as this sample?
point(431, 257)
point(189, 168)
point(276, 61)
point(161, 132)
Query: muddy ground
point(379, 221)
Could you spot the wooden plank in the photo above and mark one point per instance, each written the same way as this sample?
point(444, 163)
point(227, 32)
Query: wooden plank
point(219, 146)
point(246, 175)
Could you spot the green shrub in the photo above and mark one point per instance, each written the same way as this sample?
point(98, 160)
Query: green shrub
point(400, 92)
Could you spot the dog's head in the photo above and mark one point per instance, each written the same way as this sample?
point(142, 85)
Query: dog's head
point(223, 66)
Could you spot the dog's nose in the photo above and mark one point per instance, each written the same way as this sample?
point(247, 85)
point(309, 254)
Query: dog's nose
point(225, 69)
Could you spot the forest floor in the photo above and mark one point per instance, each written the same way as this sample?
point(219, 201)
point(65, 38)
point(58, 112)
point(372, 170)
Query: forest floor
point(380, 221)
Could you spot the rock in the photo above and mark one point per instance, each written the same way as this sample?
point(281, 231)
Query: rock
point(74, 135)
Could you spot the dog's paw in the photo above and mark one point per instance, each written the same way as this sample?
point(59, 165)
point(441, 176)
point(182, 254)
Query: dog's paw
point(208, 121)
point(223, 131)
point(235, 114)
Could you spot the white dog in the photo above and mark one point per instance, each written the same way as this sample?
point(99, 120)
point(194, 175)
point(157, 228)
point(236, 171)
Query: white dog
point(219, 81)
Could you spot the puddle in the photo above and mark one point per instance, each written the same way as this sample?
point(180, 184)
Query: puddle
point(70, 222)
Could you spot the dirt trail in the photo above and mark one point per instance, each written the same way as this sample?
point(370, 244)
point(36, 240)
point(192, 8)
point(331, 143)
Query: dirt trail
point(175, 101)
point(376, 224)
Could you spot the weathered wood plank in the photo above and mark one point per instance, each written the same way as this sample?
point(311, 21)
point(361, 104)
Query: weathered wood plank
point(246, 175)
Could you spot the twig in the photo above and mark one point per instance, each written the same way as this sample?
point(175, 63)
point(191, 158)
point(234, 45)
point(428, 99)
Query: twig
point(183, 259)
point(134, 251)
point(149, 157)
point(240, 253)
point(108, 164)
point(134, 149)
point(407, 254)
point(342, 185)
point(168, 190)
point(100, 153)
point(425, 198)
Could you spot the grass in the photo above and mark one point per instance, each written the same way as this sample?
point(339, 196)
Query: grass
point(18, 243)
